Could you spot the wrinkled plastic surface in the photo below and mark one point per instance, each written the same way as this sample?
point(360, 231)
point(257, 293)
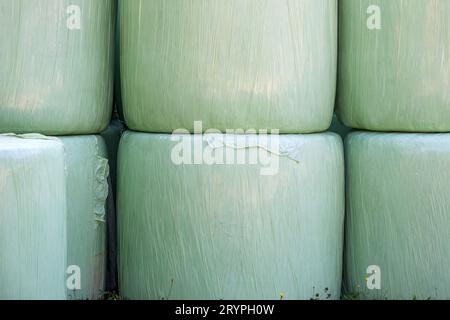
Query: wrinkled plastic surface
point(55, 80)
point(57, 189)
point(396, 78)
point(398, 214)
point(87, 189)
point(32, 219)
point(226, 231)
point(231, 64)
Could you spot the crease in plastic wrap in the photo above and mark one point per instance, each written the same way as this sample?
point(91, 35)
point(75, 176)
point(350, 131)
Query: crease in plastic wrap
point(56, 78)
point(398, 214)
point(395, 78)
point(227, 231)
point(68, 216)
point(231, 64)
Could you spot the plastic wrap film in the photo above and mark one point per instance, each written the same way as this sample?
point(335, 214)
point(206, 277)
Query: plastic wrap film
point(398, 215)
point(232, 64)
point(87, 190)
point(56, 66)
point(213, 231)
point(395, 65)
point(32, 219)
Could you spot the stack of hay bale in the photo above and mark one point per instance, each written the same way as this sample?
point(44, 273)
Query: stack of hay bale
point(395, 77)
point(200, 214)
point(228, 185)
point(56, 80)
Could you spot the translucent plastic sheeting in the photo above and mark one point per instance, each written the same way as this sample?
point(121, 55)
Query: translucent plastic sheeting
point(56, 66)
point(231, 64)
point(227, 231)
point(52, 214)
point(32, 219)
point(395, 65)
point(398, 215)
point(87, 190)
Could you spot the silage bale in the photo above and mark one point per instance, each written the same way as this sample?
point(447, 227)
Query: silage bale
point(57, 224)
point(394, 68)
point(56, 66)
point(398, 215)
point(230, 231)
point(32, 219)
point(231, 64)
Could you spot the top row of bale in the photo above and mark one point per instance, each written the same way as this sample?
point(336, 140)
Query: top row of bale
point(246, 64)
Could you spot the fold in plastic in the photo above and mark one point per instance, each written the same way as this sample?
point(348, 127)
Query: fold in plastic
point(231, 64)
point(395, 78)
point(52, 216)
point(56, 78)
point(398, 214)
point(226, 231)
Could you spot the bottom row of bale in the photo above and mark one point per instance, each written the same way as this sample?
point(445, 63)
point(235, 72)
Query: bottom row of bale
point(227, 217)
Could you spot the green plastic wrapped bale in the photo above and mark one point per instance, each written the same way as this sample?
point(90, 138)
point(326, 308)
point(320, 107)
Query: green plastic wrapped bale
point(399, 215)
point(268, 226)
point(32, 219)
point(231, 64)
point(395, 65)
point(57, 192)
point(56, 66)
